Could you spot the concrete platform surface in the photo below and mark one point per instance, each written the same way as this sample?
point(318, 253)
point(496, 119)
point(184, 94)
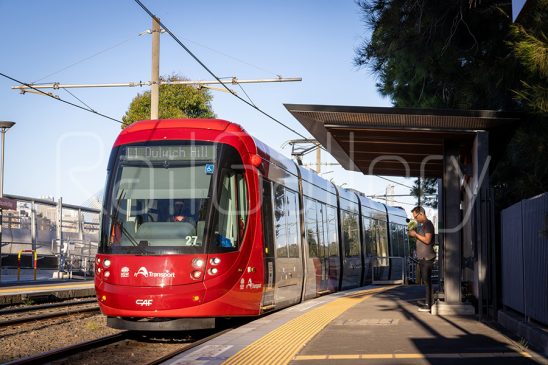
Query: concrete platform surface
point(13, 291)
point(388, 329)
point(372, 325)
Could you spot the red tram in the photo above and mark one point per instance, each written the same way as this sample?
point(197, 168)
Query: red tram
point(201, 221)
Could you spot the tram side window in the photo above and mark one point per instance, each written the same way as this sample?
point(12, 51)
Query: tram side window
point(332, 240)
point(404, 239)
point(382, 239)
point(243, 207)
point(266, 208)
point(311, 227)
point(322, 229)
point(280, 221)
point(292, 223)
point(370, 237)
point(350, 234)
point(228, 220)
point(395, 240)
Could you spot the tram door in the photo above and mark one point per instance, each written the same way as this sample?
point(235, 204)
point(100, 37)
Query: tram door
point(288, 264)
point(352, 261)
point(268, 246)
point(316, 227)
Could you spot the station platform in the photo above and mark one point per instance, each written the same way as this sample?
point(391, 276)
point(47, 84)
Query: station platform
point(370, 325)
point(13, 291)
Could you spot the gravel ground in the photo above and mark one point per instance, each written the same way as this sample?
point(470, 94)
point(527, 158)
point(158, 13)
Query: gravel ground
point(20, 341)
point(28, 339)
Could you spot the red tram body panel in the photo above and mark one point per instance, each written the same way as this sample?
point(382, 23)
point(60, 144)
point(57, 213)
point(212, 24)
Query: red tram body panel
point(201, 221)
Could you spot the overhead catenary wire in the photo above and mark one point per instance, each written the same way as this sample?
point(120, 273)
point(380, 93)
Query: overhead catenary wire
point(211, 72)
point(392, 181)
point(88, 58)
point(80, 100)
point(59, 99)
point(232, 57)
point(398, 202)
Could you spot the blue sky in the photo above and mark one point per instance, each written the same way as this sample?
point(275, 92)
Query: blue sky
point(58, 150)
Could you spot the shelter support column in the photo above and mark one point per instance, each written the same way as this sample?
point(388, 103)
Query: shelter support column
point(483, 219)
point(452, 234)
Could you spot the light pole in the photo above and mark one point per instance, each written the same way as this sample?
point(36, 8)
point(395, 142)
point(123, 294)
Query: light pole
point(4, 126)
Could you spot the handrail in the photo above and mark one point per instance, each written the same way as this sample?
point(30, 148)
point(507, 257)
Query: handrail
point(35, 265)
point(398, 281)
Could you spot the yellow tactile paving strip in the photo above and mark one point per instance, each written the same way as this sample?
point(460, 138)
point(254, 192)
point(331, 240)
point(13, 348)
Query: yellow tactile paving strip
point(281, 345)
point(413, 356)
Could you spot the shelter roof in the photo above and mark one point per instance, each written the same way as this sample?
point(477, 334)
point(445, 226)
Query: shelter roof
point(398, 141)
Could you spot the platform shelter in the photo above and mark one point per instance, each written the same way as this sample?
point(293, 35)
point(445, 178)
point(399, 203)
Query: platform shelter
point(460, 148)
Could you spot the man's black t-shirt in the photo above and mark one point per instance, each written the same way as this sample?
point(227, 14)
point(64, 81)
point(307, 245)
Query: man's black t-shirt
point(425, 251)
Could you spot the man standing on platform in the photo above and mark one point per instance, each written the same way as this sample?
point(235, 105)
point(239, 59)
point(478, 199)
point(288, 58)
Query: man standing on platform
point(426, 255)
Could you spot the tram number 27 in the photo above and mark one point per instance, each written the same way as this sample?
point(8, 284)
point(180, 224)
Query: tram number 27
point(191, 240)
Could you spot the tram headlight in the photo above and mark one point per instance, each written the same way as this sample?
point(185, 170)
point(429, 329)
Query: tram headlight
point(98, 260)
point(106, 263)
point(213, 271)
point(215, 261)
point(198, 263)
point(196, 275)
point(106, 274)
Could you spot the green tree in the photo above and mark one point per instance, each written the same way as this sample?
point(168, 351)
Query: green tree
point(467, 55)
point(426, 190)
point(530, 46)
point(439, 54)
point(176, 101)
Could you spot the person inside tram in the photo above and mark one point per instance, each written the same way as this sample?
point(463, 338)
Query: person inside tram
point(181, 214)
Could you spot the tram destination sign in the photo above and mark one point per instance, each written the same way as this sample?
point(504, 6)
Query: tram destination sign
point(7, 203)
point(171, 153)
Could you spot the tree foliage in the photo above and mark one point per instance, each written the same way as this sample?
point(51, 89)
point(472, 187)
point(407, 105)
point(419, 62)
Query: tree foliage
point(460, 54)
point(176, 101)
point(529, 43)
point(439, 54)
point(426, 190)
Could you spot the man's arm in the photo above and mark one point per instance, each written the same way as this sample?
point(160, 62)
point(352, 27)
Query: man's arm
point(426, 238)
point(428, 233)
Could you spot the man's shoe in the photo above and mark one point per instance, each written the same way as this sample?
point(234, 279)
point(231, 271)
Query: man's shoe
point(424, 308)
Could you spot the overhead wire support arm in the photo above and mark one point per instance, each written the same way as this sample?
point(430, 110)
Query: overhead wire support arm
point(211, 72)
point(233, 80)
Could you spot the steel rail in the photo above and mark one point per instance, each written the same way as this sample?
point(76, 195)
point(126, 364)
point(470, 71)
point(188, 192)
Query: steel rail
point(43, 306)
point(187, 348)
point(38, 317)
point(49, 356)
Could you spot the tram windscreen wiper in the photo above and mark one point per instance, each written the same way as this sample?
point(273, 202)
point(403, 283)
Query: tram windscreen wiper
point(114, 218)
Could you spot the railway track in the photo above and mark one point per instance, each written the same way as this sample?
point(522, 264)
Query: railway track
point(123, 342)
point(22, 315)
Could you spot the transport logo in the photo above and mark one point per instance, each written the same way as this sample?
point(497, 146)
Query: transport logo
point(144, 302)
point(250, 284)
point(125, 272)
point(150, 274)
point(142, 271)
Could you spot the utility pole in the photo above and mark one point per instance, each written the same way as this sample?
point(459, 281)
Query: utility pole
point(155, 82)
point(419, 194)
point(389, 195)
point(155, 87)
point(4, 126)
point(318, 159)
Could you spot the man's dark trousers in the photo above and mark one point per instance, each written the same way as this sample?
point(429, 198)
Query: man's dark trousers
point(426, 276)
